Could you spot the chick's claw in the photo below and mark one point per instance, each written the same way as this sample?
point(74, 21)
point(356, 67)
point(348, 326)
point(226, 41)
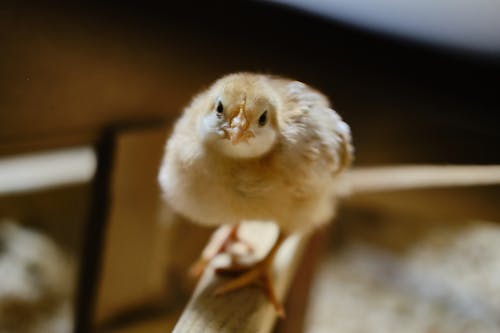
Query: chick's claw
point(221, 241)
point(256, 274)
point(197, 269)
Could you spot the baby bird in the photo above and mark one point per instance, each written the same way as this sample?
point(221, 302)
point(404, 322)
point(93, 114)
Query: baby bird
point(256, 147)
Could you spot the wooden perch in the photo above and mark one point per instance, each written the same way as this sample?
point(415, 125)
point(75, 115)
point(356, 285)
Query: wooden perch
point(246, 310)
point(390, 178)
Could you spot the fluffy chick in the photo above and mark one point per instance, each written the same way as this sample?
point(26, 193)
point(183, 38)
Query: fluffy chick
point(256, 147)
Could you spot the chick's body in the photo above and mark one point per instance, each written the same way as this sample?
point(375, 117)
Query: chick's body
point(287, 169)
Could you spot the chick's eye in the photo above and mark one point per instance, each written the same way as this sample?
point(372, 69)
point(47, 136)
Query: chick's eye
point(219, 108)
point(263, 119)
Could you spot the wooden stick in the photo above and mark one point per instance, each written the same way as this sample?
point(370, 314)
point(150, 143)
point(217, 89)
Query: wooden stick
point(246, 310)
point(390, 178)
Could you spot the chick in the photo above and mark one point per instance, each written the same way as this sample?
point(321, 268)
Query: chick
point(256, 147)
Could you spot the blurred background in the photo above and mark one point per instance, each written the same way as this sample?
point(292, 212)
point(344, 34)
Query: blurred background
point(89, 90)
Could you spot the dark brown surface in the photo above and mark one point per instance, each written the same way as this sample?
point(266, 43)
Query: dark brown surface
point(94, 234)
point(68, 70)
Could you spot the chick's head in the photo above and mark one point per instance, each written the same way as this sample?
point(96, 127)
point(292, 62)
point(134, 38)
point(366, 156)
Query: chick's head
point(241, 116)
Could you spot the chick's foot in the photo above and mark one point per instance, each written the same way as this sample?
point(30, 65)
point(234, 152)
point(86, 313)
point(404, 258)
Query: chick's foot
point(222, 239)
point(259, 273)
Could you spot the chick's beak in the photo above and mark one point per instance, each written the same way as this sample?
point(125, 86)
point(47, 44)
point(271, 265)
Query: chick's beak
point(238, 127)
